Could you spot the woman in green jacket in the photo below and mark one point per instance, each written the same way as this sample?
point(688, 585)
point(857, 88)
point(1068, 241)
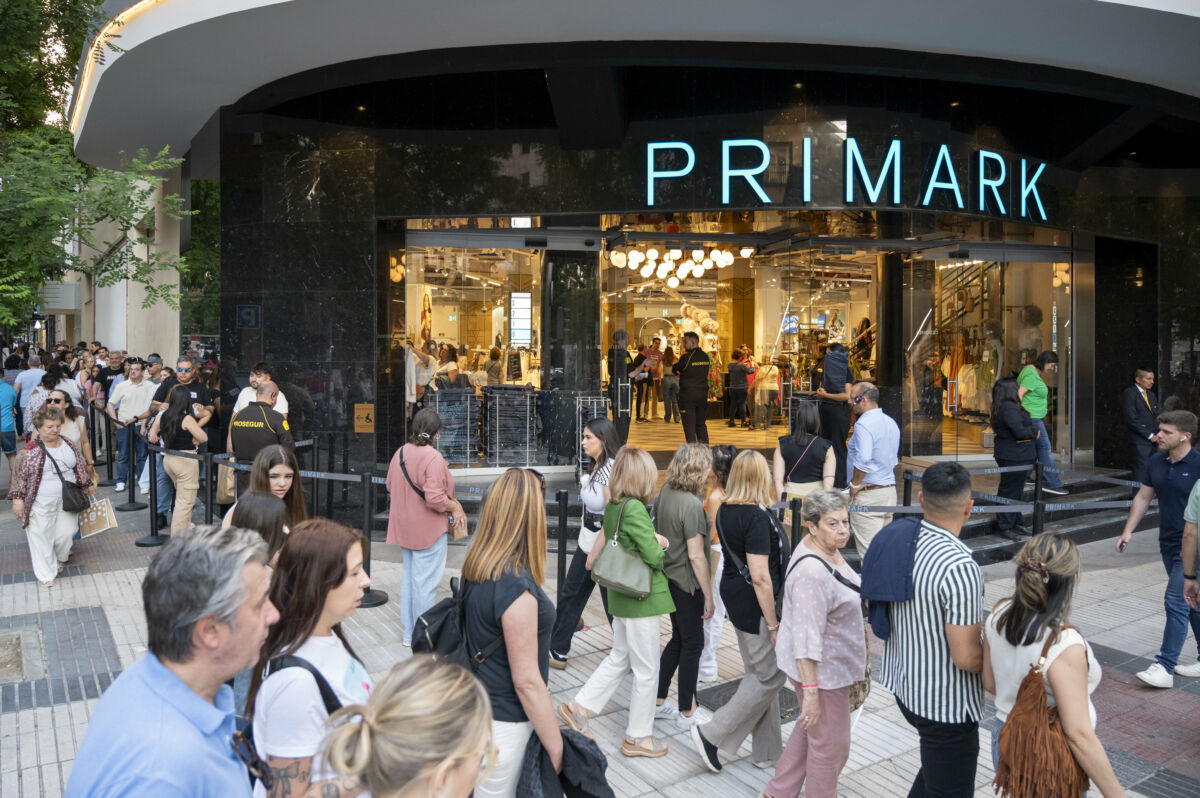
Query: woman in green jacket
point(635, 621)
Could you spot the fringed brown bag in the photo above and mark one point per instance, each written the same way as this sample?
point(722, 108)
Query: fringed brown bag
point(1035, 759)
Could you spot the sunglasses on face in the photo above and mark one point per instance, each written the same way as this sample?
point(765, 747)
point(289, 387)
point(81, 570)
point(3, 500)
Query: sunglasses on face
point(182, 370)
point(244, 748)
point(56, 401)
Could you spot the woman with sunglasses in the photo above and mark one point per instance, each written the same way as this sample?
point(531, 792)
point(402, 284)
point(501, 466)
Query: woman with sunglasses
point(318, 583)
point(421, 494)
point(74, 427)
point(503, 600)
point(425, 730)
point(601, 444)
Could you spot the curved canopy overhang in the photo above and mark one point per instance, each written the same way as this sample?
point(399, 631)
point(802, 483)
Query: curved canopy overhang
point(182, 60)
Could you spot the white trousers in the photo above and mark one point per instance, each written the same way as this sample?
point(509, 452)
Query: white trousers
point(635, 648)
point(714, 625)
point(510, 740)
point(49, 533)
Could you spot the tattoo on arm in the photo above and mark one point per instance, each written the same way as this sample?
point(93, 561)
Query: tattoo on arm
point(291, 776)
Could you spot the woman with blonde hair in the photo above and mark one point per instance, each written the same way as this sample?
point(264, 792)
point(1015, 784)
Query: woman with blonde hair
point(679, 517)
point(635, 621)
point(425, 730)
point(755, 553)
point(1031, 625)
point(503, 600)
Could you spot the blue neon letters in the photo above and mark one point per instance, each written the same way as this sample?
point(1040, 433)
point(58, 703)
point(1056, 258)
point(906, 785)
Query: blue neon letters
point(988, 174)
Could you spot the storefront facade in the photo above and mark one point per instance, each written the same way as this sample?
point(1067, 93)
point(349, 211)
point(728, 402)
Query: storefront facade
point(945, 219)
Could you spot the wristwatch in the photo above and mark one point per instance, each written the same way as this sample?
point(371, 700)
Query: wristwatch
point(1190, 576)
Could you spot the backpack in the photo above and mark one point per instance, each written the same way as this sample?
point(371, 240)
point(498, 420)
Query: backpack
point(1035, 759)
point(441, 631)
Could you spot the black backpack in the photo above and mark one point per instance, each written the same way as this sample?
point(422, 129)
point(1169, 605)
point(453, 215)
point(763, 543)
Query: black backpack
point(441, 631)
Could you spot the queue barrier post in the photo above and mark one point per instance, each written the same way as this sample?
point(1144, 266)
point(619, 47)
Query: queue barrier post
point(210, 495)
point(797, 522)
point(131, 502)
point(155, 538)
point(345, 502)
point(372, 597)
point(1039, 517)
point(93, 440)
point(110, 446)
point(908, 474)
point(562, 545)
point(329, 483)
point(1039, 479)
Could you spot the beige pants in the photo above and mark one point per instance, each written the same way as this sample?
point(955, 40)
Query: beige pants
point(185, 473)
point(866, 525)
point(754, 708)
point(49, 533)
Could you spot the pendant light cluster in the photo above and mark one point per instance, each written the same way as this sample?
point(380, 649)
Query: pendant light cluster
point(670, 265)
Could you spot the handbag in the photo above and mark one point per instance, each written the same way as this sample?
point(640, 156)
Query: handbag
point(1035, 758)
point(456, 533)
point(617, 568)
point(226, 484)
point(74, 500)
point(97, 518)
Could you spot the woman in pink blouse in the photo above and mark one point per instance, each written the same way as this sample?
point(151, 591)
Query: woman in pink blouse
point(422, 496)
point(821, 649)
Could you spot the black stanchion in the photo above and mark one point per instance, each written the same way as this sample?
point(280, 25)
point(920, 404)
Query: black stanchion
point(797, 521)
point(373, 597)
point(131, 481)
point(345, 502)
point(316, 466)
point(93, 440)
point(329, 482)
point(1039, 479)
point(209, 487)
point(110, 445)
point(1039, 517)
point(562, 545)
point(154, 538)
point(907, 486)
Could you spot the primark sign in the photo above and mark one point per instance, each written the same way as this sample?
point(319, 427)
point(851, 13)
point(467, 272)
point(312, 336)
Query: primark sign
point(989, 183)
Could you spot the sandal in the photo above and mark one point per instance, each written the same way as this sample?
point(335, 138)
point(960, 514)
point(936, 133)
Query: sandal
point(647, 747)
point(575, 717)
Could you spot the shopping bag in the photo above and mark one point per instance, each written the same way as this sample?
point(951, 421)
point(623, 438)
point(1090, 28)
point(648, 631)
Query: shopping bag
point(97, 518)
point(226, 484)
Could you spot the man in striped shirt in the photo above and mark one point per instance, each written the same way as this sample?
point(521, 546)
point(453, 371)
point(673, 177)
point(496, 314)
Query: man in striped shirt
point(933, 658)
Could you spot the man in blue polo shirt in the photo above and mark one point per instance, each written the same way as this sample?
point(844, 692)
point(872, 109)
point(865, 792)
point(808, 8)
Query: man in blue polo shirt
point(1170, 474)
point(165, 727)
point(8, 422)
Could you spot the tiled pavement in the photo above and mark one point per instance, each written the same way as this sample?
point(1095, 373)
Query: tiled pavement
point(75, 637)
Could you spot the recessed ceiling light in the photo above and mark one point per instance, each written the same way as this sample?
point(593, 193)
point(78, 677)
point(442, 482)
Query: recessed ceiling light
point(1134, 152)
point(797, 85)
point(955, 104)
point(362, 107)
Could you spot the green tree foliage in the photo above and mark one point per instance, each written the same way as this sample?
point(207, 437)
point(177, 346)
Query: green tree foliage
point(201, 301)
point(51, 203)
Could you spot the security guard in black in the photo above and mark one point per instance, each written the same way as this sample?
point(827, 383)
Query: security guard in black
point(254, 428)
point(692, 370)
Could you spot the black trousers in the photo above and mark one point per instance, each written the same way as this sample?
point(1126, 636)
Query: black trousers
point(1012, 485)
point(835, 427)
point(1142, 449)
point(684, 648)
point(577, 589)
point(694, 412)
point(949, 754)
point(640, 389)
point(737, 404)
point(620, 412)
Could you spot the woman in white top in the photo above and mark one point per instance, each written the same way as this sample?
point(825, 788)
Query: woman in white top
point(319, 582)
point(74, 428)
point(1047, 572)
point(601, 443)
point(447, 370)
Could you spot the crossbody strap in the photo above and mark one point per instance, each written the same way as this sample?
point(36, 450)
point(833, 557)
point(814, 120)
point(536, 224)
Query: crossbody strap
point(812, 439)
point(832, 571)
point(404, 468)
point(54, 462)
point(332, 704)
point(459, 589)
point(737, 561)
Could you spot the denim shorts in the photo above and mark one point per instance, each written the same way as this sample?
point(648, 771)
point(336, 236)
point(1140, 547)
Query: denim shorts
point(8, 442)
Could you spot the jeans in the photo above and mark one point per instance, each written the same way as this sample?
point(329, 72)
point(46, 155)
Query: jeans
point(423, 569)
point(639, 395)
point(164, 487)
point(649, 405)
point(949, 754)
point(576, 590)
point(670, 392)
point(139, 452)
point(1046, 455)
point(737, 405)
point(765, 409)
point(1179, 614)
point(1012, 485)
point(685, 646)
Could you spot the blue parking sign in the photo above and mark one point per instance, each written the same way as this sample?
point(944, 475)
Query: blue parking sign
point(249, 317)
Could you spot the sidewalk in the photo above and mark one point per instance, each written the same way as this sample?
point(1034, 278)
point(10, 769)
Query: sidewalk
point(60, 647)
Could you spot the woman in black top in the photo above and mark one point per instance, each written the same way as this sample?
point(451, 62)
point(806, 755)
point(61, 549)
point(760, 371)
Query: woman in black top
point(803, 461)
point(752, 548)
point(1014, 445)
point(177, 430)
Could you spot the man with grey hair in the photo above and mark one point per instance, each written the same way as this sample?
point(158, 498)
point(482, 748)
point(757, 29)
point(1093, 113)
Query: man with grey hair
point(871, 458)
point(165, 726)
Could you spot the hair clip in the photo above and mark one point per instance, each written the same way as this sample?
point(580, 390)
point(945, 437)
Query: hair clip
point(1031, 564)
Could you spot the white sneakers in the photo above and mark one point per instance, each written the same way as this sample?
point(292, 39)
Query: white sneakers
point(1191, 671)
point(1156, 676)
point(667, 710)
point(119, 487)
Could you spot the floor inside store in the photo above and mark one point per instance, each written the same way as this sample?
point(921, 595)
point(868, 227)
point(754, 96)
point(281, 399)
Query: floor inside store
point(662, 438)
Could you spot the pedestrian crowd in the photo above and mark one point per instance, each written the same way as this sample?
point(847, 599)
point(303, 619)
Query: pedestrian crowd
point(252, 685)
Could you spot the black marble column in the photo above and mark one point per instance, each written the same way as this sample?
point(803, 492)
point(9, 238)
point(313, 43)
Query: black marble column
point(889, 310)
point(570, 328)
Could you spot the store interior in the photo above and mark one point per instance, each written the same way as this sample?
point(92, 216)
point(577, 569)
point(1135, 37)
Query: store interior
point(979, 301)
